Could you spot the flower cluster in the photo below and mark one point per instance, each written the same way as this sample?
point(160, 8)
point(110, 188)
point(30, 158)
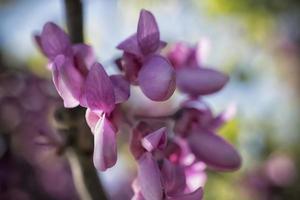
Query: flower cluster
point(28, 150)
point(171, 161)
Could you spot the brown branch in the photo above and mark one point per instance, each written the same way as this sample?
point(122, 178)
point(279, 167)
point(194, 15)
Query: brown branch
point(74, 15)
point(85, 175)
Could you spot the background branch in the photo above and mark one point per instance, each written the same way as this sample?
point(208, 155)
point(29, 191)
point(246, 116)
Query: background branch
point(74, 16)
point(79, 148)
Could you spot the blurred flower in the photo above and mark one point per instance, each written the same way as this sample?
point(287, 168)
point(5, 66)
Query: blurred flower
point(158, 177)
point(31, 156)
point(274, 175)
point(280, 169)
point(191, 76)
point(197, 124)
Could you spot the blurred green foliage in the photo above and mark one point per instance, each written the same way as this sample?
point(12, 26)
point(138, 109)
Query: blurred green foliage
point(230, 131)
point(258, 16)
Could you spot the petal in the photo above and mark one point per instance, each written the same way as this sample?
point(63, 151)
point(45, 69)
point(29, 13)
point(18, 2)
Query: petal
point(131, 66)
point(157, 78)
point(99, 90)
point(84, 57)
point(196, 113)
point(199, 105)
point(224, 117)
point(37, 39)
point(70, 75)
point(136, 190)
point(130, 45)
point(92, 118)
point(173, 178)
point(214, 151)
point(162, 44)
point(121, 88)
point(196, 195)
point(135, 185)
point(195, 176)
point(105, 147)
point(138, 196)
point(54, 41)
point(147, 32)
point(200, 81)
point(63, 90)
point(155, 140)
point(149, 178)
point(202, 50)
point(137, 134)
point(180, 55)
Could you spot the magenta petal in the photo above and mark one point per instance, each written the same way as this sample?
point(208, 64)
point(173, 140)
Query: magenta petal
point(149, 178)
point(92, 118)
point(155, 140)
point(140, 131)
point(136, 190)
point(196, 195)
point(223, 117)
point(214, 151)
point(157, 79)
point(179, 55)
point(147, 32)
point(84, 57)
point(63, 90)
point(99, 90)
point(195, 176)
point(38, 42)
point(121, 88)
point(131, 66)
point(173, 178)
point(130, 45)
point(162, 44)
point(54, 41)
point(138, 196)
point(105, 147)
point(200, 81)
point(70, 75)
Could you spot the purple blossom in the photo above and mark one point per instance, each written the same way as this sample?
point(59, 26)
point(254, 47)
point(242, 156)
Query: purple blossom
point(191, 76)
point(74, 67)
point(105, 147)
point(101, 98)
point(171, 161)
point(158, 177)
point(198, 126)
point(69, 63)
point(79, 79)
point(143, 65)
point(32, 158)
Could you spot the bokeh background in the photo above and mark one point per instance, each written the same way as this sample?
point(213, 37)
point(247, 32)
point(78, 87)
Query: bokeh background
point(256, 42)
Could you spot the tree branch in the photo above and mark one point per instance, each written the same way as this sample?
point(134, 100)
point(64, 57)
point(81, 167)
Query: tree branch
point(74, 15)
point(84, 173)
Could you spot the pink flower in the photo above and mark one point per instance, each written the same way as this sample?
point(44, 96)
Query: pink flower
point(72, 68)
point(143, 65)
point(105, 146)
point(191, 76)
point(158, 178)
point(197, 124)
point(101, 98)
point(79, 79)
